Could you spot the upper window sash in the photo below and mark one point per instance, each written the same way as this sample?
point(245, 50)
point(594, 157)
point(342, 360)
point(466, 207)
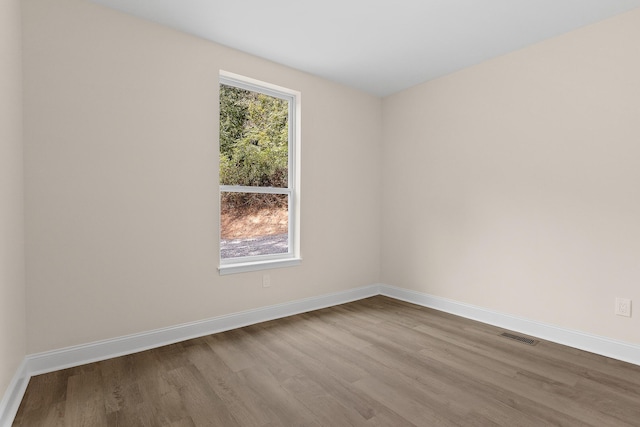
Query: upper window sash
point(231, 79)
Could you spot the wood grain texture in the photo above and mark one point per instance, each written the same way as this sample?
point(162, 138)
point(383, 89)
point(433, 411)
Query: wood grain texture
point(374, 362)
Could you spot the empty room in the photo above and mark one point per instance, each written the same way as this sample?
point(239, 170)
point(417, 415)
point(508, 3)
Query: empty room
point(286, 213)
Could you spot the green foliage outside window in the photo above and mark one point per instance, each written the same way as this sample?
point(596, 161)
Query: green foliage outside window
point(254, 140)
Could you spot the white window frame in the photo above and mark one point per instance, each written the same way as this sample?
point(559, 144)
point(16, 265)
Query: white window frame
point(292, 257)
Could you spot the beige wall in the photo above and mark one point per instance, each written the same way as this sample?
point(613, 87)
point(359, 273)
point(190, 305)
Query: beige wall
point(121, 178)
point(513, 185)
point(12, 290)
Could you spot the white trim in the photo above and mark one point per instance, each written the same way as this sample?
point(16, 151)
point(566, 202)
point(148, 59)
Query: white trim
point(248, 83)
point(13, 396)
point(608, 347)
point(243, 267)
point(50, 361)
point(107, 349)
point(258, 190)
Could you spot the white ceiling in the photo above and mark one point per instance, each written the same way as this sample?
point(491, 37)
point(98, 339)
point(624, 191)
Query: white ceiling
point(379, 46)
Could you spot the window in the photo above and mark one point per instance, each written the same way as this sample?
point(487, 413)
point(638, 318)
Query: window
point(259, 163)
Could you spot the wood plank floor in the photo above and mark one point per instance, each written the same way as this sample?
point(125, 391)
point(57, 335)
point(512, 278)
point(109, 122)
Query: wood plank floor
point(374, 362)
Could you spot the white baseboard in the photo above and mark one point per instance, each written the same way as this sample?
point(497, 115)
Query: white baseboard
point(12, 398)
point(50, 361)
point(619, 350)
point(93, 352)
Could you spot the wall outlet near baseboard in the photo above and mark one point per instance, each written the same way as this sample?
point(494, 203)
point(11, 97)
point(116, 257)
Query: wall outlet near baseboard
point(623, 307)
point(266, 280)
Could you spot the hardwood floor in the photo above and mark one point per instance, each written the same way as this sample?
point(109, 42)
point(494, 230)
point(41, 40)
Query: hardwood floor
point(374, 362)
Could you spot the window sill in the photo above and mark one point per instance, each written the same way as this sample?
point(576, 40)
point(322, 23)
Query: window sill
point(258, 265)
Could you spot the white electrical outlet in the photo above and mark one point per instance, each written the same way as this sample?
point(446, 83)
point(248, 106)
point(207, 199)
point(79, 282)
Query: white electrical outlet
point(623, 307)
point(266, 280)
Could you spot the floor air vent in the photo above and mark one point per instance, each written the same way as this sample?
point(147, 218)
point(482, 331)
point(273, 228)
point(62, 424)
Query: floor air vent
point(518, 338)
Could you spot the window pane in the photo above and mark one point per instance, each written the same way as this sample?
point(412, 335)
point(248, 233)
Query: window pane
point(253, 224)
point(254, 138)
